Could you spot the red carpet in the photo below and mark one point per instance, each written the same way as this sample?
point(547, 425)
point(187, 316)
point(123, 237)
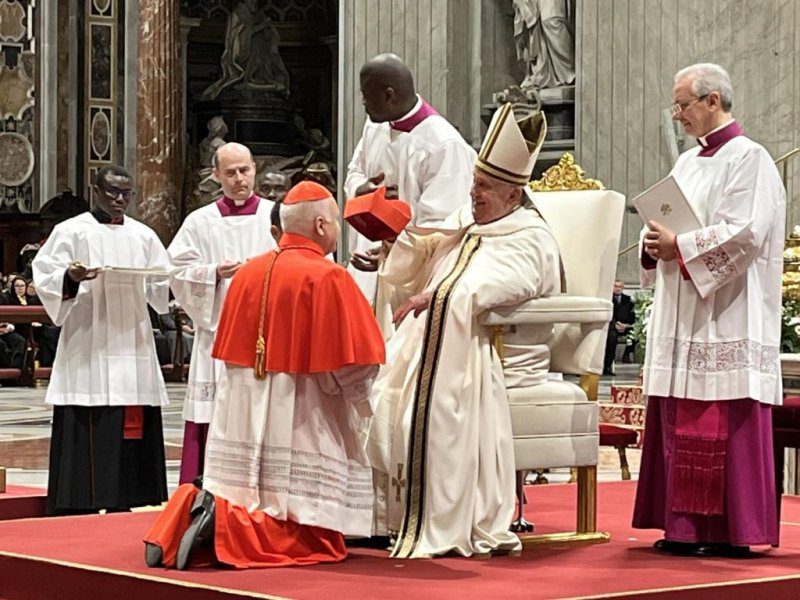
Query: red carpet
point(19, 502)
point(110, 556)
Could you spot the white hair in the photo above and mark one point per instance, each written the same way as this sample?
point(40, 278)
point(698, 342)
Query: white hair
point(707, 78)
point(299, 218)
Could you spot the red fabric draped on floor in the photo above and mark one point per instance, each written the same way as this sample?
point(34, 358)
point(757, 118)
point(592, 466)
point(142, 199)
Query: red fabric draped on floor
point(748, 515)
point(243, 539)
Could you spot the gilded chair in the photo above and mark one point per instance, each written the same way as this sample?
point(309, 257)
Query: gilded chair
point(555, 423)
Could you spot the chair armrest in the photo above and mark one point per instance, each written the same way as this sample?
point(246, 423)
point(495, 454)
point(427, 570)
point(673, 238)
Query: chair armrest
point(555, 309)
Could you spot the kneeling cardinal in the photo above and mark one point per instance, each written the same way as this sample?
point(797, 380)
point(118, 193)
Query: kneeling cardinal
point(286, 476)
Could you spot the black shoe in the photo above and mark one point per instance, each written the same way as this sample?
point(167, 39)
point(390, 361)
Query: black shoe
point(609, 372)
point(724, 551)
point(676, 548)
point(153, 555)
point(201, 530)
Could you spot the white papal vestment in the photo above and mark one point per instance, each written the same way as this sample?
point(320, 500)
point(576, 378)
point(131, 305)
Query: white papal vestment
point(206, 239)
point(441, 441)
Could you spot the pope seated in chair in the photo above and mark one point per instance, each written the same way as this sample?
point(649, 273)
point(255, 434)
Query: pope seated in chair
point(441, 441)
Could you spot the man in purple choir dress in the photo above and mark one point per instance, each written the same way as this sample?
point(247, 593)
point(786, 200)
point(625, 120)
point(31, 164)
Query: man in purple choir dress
point(207, 251)
point(712, 372)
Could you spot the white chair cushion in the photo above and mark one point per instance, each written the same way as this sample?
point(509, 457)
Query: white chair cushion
point(554, 425)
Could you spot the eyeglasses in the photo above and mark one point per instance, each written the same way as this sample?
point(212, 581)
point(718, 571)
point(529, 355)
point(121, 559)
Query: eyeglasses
point(679, 107)
point(114, 193)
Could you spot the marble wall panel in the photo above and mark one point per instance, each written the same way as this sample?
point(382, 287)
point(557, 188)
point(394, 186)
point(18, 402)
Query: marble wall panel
point(17, 106)
point(628, 53)
point(100, 93)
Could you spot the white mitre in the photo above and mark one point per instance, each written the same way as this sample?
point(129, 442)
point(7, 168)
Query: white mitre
point(511, 146)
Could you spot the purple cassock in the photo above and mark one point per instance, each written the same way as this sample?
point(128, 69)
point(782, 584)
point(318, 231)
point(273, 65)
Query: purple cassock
point(195, 434)
point(707, 470)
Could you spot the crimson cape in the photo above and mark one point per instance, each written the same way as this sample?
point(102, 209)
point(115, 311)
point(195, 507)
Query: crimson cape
point(316, 318)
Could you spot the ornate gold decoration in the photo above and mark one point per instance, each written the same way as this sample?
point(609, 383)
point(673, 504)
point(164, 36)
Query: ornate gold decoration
point(791, 265)
point(565, 176)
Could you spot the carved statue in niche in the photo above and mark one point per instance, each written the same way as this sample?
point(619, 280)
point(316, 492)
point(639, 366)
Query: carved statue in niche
point(204, 188)
point(251, 58)
point(544, 36)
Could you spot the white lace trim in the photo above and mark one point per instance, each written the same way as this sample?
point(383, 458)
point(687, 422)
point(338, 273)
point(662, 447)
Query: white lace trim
point(201, 392)
point(715, 357)
point(716, 260)
point(286, 470)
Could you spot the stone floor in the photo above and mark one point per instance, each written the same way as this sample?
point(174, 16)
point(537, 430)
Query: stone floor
point(25, 434)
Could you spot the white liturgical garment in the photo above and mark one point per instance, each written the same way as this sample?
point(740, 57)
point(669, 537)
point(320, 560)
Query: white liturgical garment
point(440, 441)
point(716, 335)
point(289, 445)
point(206, 239)
point(431, 166)
point(106, 353)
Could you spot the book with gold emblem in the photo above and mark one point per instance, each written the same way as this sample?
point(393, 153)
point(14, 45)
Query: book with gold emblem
point(665, 204)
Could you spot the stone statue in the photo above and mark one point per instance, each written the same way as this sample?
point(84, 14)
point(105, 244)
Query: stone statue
point(204, 188)
point(544, 36)
point(251, 58)
point(217, 130)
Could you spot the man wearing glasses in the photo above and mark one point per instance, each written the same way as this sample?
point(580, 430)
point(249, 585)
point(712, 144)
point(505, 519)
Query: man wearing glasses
point(712, 371)
point(95, 276)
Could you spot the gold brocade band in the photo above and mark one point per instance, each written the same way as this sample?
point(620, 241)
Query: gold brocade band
point(411, 528)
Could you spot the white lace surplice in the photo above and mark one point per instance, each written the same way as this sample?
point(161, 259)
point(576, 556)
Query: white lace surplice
point(717, 335)
point(289, 445)
point(206, 239)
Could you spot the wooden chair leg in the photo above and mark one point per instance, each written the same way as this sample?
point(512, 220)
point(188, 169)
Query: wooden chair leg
point(623, 463)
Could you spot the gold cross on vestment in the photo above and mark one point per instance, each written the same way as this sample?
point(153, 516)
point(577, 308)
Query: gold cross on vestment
point(398, 481)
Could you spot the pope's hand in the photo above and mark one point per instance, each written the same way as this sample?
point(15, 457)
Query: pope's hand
point(227, 269)
point(78, 272)
point(419, 304)
point(660, 242)
point(366, 261)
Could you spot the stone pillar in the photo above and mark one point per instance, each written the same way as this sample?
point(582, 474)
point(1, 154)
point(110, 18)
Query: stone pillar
point(158, 115)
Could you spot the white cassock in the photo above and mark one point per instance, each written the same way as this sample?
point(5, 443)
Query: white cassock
point(106, 353)
point(288, 445)
point(206, 239)
point(440, 441)
point(431, 166)
point(717, 335)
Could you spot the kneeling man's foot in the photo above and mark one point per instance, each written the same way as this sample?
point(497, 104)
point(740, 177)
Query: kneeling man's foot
point(201, 530)
point(153, 555)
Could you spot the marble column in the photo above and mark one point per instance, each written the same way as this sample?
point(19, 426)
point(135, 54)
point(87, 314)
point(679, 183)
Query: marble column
point(158, 116)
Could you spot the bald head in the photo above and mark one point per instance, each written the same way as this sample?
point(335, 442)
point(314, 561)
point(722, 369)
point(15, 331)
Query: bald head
point(235, 170)
point(317, 221)
point(387, 88)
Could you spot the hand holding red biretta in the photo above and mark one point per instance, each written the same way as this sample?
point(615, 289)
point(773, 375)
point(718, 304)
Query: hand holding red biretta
point(376, 217)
